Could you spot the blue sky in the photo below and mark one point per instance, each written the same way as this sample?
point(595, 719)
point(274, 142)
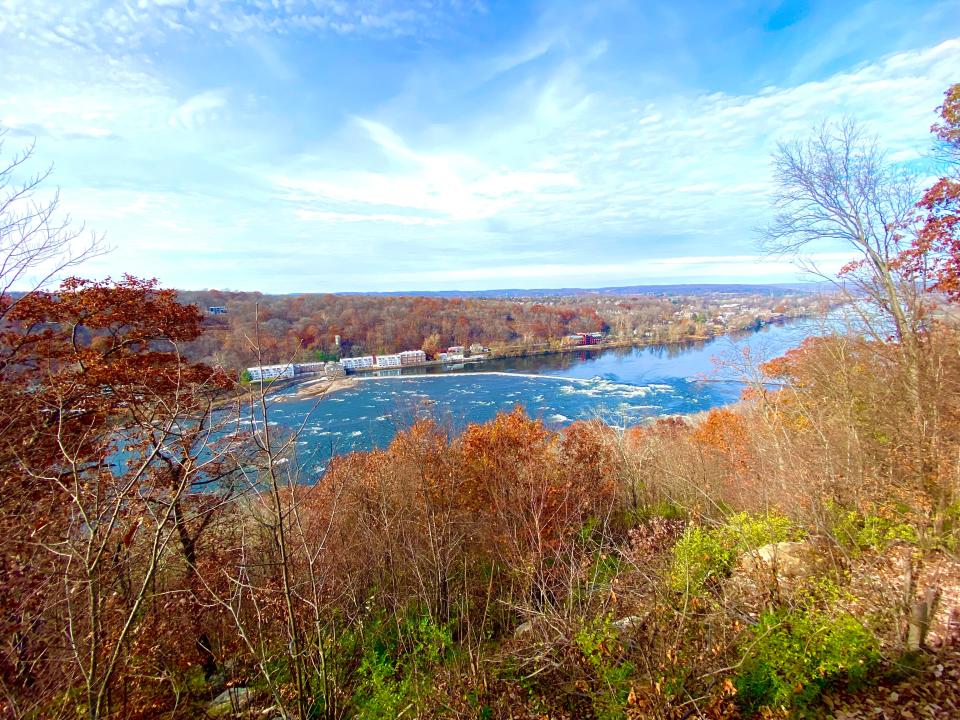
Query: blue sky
point(330, 145)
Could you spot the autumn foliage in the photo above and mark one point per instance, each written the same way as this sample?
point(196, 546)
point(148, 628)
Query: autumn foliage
point(94, 399)
point(936, 249)
point(160, 544)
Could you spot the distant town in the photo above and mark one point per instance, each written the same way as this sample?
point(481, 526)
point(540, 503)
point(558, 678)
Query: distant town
point(625, 321)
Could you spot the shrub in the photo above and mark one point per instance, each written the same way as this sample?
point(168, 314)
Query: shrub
point(792, 655)
point(597, 640)
point(857, 531)
point(950, 527)
point(702, 555)
point(382, 692)
point(394, 670)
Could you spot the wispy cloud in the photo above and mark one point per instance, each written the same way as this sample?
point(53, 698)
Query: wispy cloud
point(697, 164)
point(195, 110)
point(320, 144)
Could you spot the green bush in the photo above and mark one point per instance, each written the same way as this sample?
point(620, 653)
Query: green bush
point(597, 641)
point(857, 531)
point(394, 670)
point(791, 656)
point(702, 556)
point(382, 692)
point(950, 527)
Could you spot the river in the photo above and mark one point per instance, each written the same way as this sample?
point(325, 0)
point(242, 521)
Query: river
point(623, 386)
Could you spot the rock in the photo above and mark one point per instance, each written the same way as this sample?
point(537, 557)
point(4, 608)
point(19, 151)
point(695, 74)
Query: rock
point(787, 560)
point(524, 629)
point(231, 700)
point(624, 625)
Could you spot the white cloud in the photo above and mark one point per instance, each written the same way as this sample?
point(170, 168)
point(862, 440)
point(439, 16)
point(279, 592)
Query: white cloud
point(342, 217)
point(529, 162)
point(108, 25)
point(196, 110)
point(448, 183)
point(695, 165)
point(706, 268)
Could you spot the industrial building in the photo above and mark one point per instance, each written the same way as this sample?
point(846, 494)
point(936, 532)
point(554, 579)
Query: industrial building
point(291, 370)
point(594, 338)
point(387, 361)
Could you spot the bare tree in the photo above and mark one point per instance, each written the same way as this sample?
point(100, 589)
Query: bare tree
point(38, 242)
point(838, 189)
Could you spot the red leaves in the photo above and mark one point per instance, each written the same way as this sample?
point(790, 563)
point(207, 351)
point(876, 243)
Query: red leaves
point(851, 267)
point(949, 129)
point(935, 251)
point(936, 248)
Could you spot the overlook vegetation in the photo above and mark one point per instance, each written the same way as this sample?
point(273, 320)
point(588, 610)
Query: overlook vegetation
point(788, 556)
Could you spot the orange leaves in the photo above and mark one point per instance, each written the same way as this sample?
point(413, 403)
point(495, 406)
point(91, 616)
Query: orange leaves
point(723, 430)
point(507, 493)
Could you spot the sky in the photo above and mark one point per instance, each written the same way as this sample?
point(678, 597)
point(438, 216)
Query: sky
point(369, 145)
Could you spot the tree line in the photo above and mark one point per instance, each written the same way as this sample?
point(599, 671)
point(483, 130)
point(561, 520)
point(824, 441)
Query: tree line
point(304, 327)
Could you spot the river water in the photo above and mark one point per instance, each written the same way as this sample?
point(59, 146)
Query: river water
point(624, 386)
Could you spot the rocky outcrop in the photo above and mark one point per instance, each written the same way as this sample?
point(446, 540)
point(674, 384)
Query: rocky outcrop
point(784, 561)
point(230, 702)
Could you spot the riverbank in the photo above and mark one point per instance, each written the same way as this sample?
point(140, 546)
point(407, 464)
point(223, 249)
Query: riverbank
point(531, 351)
point(323, 386)
point(317, 386)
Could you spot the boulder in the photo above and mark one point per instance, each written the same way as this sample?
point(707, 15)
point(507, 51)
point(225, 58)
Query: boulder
point(524, 629)
point(230, 701)
point(784, 560)
point(625, 625)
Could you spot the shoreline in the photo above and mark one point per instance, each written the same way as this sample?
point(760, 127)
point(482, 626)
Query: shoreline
point(319, 387)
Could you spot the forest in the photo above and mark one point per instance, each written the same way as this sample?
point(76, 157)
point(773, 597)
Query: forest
point(792, 555)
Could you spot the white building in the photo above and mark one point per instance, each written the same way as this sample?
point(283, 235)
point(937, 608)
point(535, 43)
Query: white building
point(334, 370)
point(271, 372)
point(357, 363)
point(412, 357)
point(385, 361)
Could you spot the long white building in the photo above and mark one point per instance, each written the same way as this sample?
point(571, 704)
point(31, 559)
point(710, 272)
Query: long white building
point(393, 360)
point(387, 361)
point(272, 372)
point(356, 363)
